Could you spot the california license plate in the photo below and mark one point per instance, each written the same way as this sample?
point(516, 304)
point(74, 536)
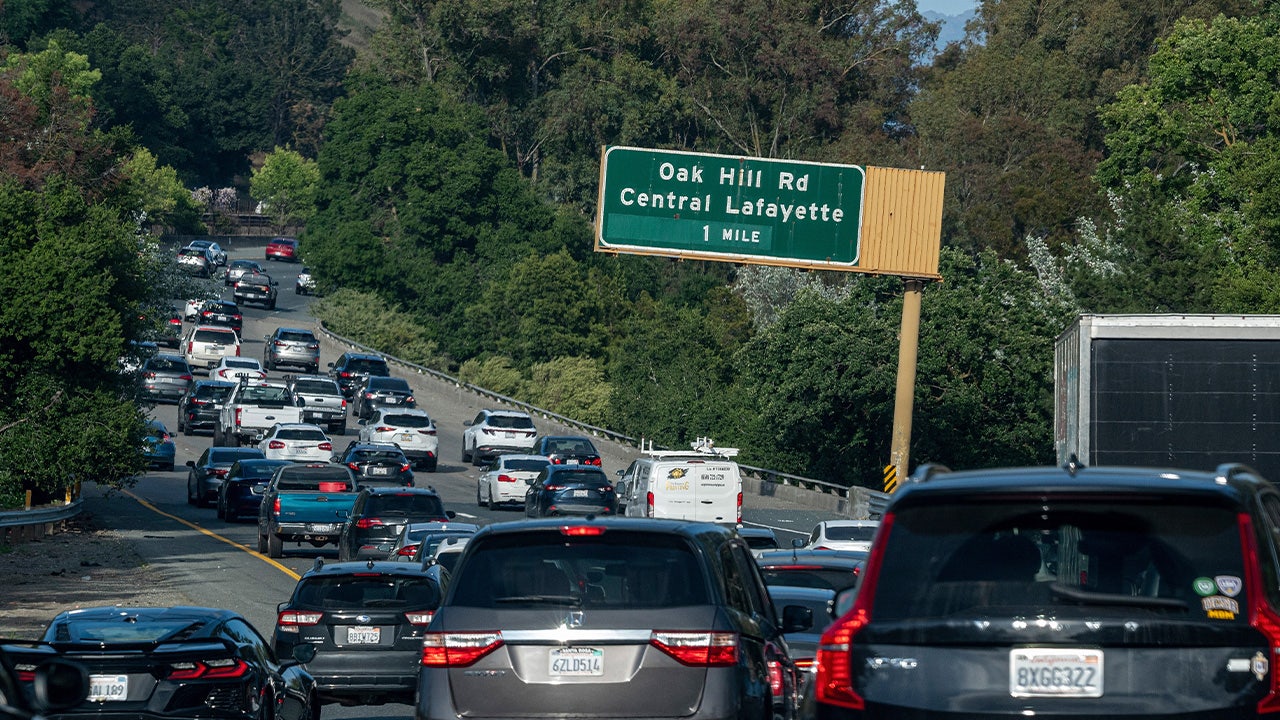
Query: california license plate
point(104, 688)
point(571, 461)
point(322, 527)
point(1056, 672)
point(579, 493)
point(406, 437)
point(577, 662)
point(379, 471)
point(363, 635)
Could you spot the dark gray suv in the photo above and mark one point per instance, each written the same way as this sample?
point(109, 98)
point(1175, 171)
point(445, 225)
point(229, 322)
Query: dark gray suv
point(1063, 592)
point(608, 618)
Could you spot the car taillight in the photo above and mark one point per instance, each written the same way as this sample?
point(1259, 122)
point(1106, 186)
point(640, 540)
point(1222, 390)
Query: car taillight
point(26, 676)
point(833, 681)
point(326, 446)
point(344, 373)
point(410, 401)
point(237, 317)
point(237, 351)
point(407, 551)
point(648, 507)
point(419, 618)
point(189, 347)
point(1261, 615)
point(344, 403)
point(238, 411)
point(804, 664)
point(275, 507)
point(596, 462)
point(209, 669)
point(556, 461)
point(368, 396)
point(698, 649)
point(219, 472)
point(775, 677)
point(294, 618)
point(366, 523)
point(582, 530)
point(739, 507)
point(186, 378)
point(404, 468)
point(506, 478)
point(275, 445)
point(427, 432)
point(353, 466)
point(175, 321)
point(148, 375)
point(488, 431)
point(164, 437)
point(384, 428)
point(458, 649)
point(553, 487)
point(313, 346)
point(278, 343)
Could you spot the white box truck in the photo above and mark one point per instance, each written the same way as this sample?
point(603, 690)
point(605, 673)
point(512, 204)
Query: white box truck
point(703, 484)
point(1177, 391)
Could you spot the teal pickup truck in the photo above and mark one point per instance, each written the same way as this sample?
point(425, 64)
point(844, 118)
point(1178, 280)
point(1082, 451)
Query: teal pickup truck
point(305, 503)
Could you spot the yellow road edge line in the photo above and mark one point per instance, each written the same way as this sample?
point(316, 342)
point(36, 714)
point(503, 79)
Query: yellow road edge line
point(146, 504)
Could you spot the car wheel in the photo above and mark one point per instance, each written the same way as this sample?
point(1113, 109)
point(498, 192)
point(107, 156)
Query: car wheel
point(266, 363)
point(466, 456)
point(262, 541)
point(275, 546)
point(315, 369)
point(477, 459)
point(271, 305)
point(222, 509)
point(233, 441)
point(191, 495)
point(217, 435)
point(480, 501)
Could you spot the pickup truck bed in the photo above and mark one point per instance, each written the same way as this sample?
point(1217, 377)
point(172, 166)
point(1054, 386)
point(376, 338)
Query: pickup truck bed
point(255, 406)
point(305, 503)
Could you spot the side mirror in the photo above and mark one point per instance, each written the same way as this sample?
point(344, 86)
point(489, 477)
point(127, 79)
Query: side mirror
point(450, 514)
point(275, 282)
point(466, 423)
point(302, 402)
point(797, 543)
point(796, 618)
point(190, 463)
point(335, 458)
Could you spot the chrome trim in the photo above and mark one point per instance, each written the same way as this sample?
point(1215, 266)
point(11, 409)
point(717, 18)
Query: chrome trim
point(576, 635)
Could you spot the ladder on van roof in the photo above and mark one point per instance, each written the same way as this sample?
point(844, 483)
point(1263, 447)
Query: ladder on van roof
point(701, 448)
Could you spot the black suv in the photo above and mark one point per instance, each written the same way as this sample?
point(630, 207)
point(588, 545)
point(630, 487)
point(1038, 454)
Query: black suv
point(600, 618)
point(1064, 592)
point(377, 464)
point(200, 407)
point(366, 622)
point(378, 516)
point(352, 369)
point(382, 392)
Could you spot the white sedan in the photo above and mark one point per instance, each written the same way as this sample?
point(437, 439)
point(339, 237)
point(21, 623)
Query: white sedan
point(508, 478)
point(410, 429)
point(235, 369)
point(843, 535)
point(300, 442)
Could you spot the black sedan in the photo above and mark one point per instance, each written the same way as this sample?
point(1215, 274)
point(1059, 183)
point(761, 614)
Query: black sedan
point(377, 464)
point(240, 493)
point(208, 472)
point(175, 662)
point(570, 490)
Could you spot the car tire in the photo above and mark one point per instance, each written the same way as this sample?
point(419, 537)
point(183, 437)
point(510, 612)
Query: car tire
point(315, 369)
point(221, 511)
point(477, 459)
point(191, 496)
point(168, 467)
point(229, 514)
point(466, 456)
point(266, 363)
point(262, 541)
point(234, 440)
point(271, 305)
point(479, 501)
point(275, 546)
point(217, 436)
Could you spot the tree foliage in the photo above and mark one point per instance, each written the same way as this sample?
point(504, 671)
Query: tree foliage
point(286, 184)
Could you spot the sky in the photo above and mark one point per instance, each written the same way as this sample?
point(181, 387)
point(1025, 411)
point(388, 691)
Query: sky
point(946, 7)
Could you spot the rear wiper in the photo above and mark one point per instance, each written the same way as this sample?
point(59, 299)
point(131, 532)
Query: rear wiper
point(543, 599)
point(1097, 598)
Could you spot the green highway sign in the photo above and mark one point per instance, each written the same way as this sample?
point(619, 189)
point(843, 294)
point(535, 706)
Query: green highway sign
point(729, 208)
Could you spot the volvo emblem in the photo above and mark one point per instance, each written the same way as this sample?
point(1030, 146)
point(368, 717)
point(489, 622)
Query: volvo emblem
point(363, 619)
point(573, 619)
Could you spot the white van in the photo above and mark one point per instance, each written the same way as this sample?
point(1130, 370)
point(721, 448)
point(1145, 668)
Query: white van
point(702, 485)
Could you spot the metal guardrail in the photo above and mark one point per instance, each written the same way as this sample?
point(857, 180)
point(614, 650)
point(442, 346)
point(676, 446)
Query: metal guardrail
point(878, 500)
point(41, 515)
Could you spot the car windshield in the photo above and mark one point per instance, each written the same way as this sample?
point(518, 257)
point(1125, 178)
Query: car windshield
point(617, 569)
point(1065, 556)
point(347, 592)
point(405, 504)
point(220, 337)
point(524, 465)
point(518, 422)
point(265, 393)
point(367, 367)
point(406, 420)
point(243, 264)
point(855, 533)
point(590, 478)
point(165, 364)
point(315, 434)
point(317, 387)
point(296, 336)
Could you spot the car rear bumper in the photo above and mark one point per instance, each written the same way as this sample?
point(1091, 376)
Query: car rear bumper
point(492, 451)
point(381, 675)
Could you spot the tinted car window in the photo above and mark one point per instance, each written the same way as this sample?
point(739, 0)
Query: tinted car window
point(227, 455)
point(840, 532)
point(346, 592)
point(316, 387)
point(406, 504)
point(374, 455)
point(577, 477)
point(387, 383)
point(1066, 557)
point(213, 392)
point(300, 434)
point(269, 393)
point(414, 421)
point(813, 577)
point(296, 336)
point(224, 337)
point(510, 421)
point(310, 478)
point(524, 465)
point(165, 364)
point(367, 367)
point(618, 569)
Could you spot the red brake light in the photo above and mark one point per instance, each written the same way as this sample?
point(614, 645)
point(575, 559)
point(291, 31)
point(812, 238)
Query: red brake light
point(775, 677)
point(148, 375)
point(739, 507)
point(441, 649)
point(344, 373)
point(326, 446)
point(275, 507)
point(188, 378)
point(556, 461)
point(596, 461)
point(581, 530)
point(698, 649)
point(506, 478)
point(1261, 615)
point(408, 550)
point(219, 472)
point(553, 488)
point(409, 400)
point(427, 432)
point(295, 617)
point(648, 509)
point(384, 428)
point(278, 343)
point(275, 445)
point(368, 395)
point(221, 668)
point(404, 468)
point(365, 523)
point(353, 466)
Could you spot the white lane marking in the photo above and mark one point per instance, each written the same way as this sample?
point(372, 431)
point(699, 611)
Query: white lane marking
point(465, 515)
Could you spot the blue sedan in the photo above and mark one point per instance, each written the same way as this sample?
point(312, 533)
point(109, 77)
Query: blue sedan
point(157, 446)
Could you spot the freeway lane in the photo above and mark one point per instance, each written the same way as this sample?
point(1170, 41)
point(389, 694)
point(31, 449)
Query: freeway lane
point(215, 563)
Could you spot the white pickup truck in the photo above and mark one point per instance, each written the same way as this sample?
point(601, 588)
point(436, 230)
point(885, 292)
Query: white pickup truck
point(254, 406)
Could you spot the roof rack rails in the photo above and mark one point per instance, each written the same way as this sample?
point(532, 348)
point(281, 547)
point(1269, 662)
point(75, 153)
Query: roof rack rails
point(1230, 471)
point(702, 447)
point(926, 472)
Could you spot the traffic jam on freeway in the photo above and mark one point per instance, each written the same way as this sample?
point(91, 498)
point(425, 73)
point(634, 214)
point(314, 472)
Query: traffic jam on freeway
point(448, 557)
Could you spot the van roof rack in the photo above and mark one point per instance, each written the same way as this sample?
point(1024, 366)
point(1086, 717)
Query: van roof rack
point(702, 447)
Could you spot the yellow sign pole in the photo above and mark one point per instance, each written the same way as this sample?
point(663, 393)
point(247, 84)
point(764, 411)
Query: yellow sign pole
point(904, 399)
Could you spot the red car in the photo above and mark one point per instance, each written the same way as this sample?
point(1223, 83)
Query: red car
point(283, 249)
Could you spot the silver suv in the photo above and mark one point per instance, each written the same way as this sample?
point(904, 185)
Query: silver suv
point(292, 346)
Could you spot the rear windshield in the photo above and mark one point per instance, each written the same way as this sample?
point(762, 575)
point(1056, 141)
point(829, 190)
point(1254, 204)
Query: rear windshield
point(317, 387)
point(346, 592)
point(569, 445)
point(230, 455)
point(406, 504)
point(1173, 558)
point(524, 465)
point(233, 363)
point(164, 364)
point(511, 421)
point(811, 576)
point(221, 337)
point(360, 456)
point(214, 392)
point(316, 479)
point(573, 477)
point(116, 631)
point(616, 570)
point(367, 367)
point(842, 532)
point(403, 420)
point(266, 394)
point(301, 434)
point(297, 336)
point(761, 542)
point(387, 383)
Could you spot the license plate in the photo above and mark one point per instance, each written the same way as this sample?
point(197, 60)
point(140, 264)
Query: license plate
point(406, 437)
point(508, 434)
point(571, 461)
point(1056, 672)
point(363, 635)
point(379, 471)
point(322, 527)
point(576, 662)
point(579, 493)
point(103, 688)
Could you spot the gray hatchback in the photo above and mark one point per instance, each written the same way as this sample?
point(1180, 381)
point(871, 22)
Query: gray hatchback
point(614, 618)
